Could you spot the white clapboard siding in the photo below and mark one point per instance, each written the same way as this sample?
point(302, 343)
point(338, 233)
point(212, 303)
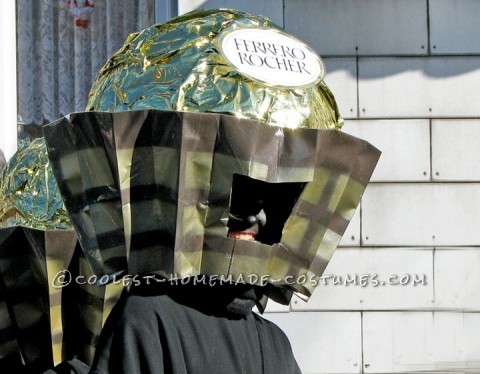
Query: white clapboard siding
point(418, 87)
point(405, 146)
point(455, 342)
point(394, 342)
point(454, 26)
point(272, 9)
point(413, 342)
point(393, 279)
point(341, 78)
point(413, 214)
point(457, 278)
point(323, 342)
point(455, 150)
point(367, 27)
point(351, 237)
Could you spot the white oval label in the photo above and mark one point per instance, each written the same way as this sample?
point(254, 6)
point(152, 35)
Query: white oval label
point(272, 57)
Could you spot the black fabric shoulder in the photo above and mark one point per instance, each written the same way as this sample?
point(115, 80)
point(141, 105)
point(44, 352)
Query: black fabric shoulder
point(278, 355)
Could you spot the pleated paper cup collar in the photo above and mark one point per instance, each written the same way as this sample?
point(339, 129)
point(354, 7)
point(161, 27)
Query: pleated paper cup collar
point(149, 191)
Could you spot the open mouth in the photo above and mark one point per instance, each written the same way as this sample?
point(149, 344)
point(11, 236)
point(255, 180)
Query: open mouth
point(243, 235)
point(259, 210)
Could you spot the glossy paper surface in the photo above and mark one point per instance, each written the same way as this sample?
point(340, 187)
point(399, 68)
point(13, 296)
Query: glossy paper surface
point(149, 191)
point(48, 293)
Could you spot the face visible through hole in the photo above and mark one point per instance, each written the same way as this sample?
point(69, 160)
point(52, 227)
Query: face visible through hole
point(259, 210)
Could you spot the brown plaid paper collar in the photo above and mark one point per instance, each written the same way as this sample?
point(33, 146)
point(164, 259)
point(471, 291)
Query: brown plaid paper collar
point(148, 191)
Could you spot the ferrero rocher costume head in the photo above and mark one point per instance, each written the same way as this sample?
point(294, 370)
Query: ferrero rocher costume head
point(219, 61)
point(190, 122)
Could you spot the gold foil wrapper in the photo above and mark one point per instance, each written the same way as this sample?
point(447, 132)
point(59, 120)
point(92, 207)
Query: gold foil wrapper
point(178, 66)
point(29, 193)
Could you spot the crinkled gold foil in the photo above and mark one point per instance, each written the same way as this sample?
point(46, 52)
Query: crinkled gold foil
point(29, 193)
point(177, 66)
